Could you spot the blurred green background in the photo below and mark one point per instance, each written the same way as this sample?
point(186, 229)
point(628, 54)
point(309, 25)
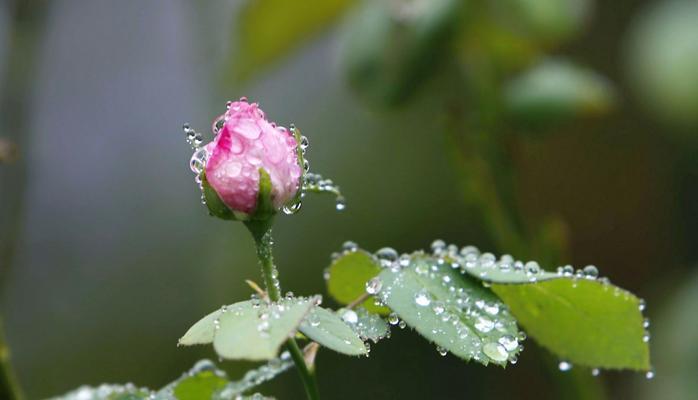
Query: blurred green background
point(584, 115)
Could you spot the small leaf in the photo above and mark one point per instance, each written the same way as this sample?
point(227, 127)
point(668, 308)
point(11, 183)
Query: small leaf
point(348, 276)
point(328, 329)
point(200, 386)
point(249, 331)
point(583, 321)
point(555, 91)
point(268, 29)
point(451, 310)
point(370, 326)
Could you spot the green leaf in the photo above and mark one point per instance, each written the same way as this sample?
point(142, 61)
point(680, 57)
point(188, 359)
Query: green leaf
point(214, 203)
point(249, 330)
point(106, 392)
point(583, 321)
point(200, 386)
point(557, 90)
point(387, 53)
point(369, 326)
point(328, 329)
point(348, 275)
point(203, 381)
point(451, 310)
point(267, 30)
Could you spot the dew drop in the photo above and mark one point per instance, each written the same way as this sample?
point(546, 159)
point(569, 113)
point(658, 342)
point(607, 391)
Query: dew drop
point(374, 285)
point(349, 246)
point(402, 324)
point(438, 308)
point(564, 366)
point(393, 319)
point(509, 342)
point(438, 246)
point(387, 254)
point(495, 351)
point(350, 316)
point(649, 374)
point(340, 203)
point(590, 272)
point(422, 298)
point(484, 324)
point(442, 351)
point(532, 267)
point(642, 305)
point(595, 372)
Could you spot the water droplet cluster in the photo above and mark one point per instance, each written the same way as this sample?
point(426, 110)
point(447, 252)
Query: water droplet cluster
point(367, 325)
point(483, 318)
point(311, 182)
point(256, 377)
point(477, 327)
point(106, 391)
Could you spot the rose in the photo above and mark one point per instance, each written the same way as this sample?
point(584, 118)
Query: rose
point(247, 143)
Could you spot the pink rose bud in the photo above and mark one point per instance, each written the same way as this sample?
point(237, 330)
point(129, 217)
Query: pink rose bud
point(245, 143)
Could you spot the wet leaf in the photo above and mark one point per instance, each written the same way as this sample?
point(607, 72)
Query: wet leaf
point(451, 310)
point(348, 276)
point(269, 29)
point(249, 331)
point(203, 381)
point(199, 386)
point(329, 330)
point(582, 321)
point(370, 326)
point(106, 392)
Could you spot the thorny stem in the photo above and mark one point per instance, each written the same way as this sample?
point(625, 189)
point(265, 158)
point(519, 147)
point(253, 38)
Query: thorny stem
point(261, 231)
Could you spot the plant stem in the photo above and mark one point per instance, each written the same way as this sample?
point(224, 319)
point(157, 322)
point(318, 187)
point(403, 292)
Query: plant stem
point(9, 386)
point(261, 231)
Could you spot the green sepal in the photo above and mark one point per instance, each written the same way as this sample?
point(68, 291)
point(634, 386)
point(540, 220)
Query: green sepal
point(215, 205)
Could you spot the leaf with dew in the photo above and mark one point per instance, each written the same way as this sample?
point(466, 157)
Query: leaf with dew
point(451, 310)
point(348, 276)
point(249, 330)
point(332, 331)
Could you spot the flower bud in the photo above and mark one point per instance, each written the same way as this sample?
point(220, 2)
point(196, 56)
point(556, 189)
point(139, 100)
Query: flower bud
point(252, 164)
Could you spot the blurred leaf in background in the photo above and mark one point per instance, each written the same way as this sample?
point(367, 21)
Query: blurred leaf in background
point(269, 29)
point(390, 47)
point(662, 61)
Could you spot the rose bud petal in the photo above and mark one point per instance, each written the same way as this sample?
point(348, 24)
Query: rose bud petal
point(249, 149)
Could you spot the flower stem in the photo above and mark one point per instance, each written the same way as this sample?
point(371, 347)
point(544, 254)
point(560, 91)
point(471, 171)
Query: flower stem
point(261, 231)
point(9, 387)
